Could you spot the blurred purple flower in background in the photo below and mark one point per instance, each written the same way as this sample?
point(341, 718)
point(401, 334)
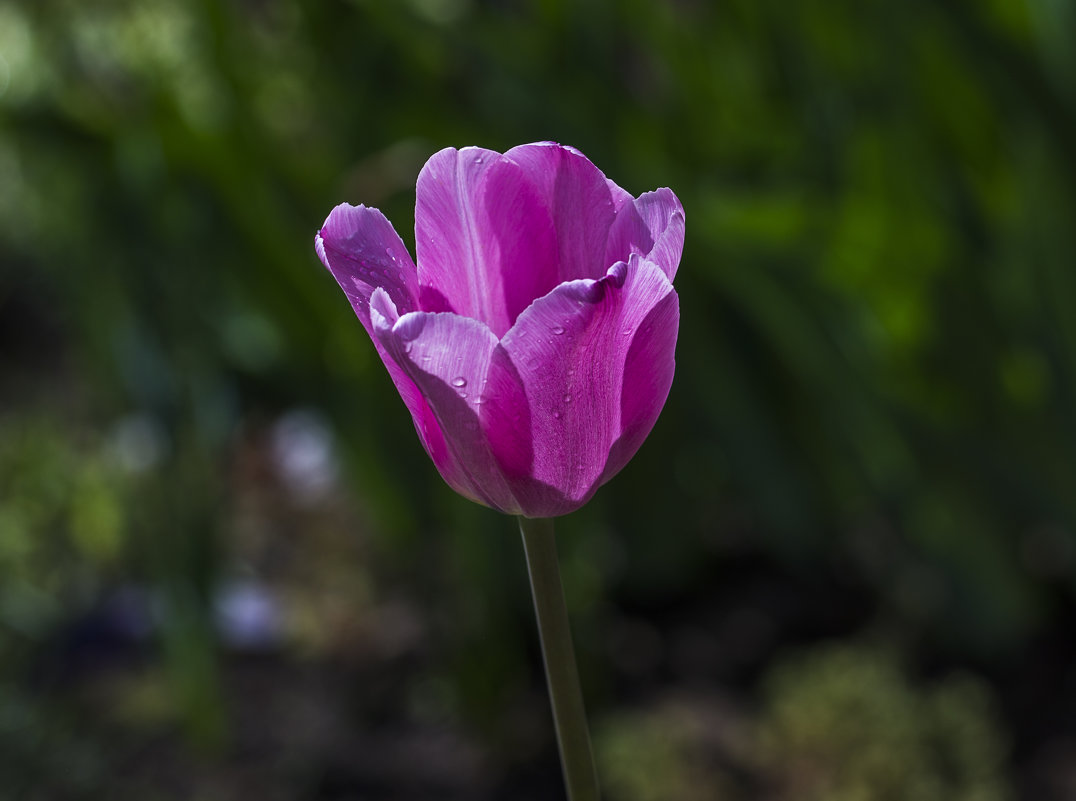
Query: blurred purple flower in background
point(534, 342)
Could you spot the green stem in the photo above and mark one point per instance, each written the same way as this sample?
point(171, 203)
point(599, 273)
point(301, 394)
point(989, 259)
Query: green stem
point(569, 718)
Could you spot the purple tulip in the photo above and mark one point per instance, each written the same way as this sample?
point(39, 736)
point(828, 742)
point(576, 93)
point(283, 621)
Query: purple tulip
point(534, 343)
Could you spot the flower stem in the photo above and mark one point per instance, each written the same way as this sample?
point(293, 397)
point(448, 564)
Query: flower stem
point(562, 676)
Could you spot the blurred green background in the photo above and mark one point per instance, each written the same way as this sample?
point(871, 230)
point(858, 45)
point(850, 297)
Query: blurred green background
point(843, 567)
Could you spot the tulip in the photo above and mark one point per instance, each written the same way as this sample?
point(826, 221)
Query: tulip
point(533, 345)
point(534, 342)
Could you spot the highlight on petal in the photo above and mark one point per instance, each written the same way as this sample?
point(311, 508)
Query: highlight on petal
point(447, 357)
point(571, 351)
point(459, 267)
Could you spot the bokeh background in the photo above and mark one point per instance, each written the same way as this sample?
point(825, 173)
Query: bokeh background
point(843, 566)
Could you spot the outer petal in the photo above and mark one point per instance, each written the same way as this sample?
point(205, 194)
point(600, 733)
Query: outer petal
point(447, 357)
point(579, 381)
point(363, 251)
point(652, 226)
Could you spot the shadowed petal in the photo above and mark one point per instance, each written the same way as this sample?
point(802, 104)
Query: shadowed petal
point(447, 357)
point(576, 353)
point(648, 377)
point(523, 237)
point(579, 203)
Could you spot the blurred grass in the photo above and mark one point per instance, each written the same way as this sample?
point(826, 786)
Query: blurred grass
point(876, 367)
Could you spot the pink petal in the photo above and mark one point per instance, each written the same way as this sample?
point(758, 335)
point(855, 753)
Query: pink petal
point(579, 381)
point(447, 357)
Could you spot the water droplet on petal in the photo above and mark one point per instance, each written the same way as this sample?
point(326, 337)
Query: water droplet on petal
point(567, 397)
point(558, 329)
point(556, 415)
point(459, 381)
point(477, 159)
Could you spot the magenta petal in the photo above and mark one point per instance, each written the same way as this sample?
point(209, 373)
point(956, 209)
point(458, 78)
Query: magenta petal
point(447, 357)
point(363, 251)
point(520, 232)
point(651, 226)
point(366, 257)
point(578, 354)
point(648, 377)
point(579, 203)
point(663, 215)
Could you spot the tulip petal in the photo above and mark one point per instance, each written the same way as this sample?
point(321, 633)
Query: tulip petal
point(459, 264)
point(648, 377)
point(567, 367)
point(579, 202)
point(362, 250)
point(359, 246)
point(447, 357)
point(663, 214)
point(652, 226)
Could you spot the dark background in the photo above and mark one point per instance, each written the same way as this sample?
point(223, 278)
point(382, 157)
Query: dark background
point(841, 568)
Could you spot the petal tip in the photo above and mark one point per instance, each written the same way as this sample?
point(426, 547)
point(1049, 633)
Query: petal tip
point(383, 312)
point(617, 274)
point(409, 326)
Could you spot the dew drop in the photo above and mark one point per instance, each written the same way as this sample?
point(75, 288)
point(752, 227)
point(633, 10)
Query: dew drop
point(567, 397)
point(556, 415)
point(558, 329)
point(477, 159)
point(459, 381)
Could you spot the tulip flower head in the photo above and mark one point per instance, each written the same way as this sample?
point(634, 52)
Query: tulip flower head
point(534, 341)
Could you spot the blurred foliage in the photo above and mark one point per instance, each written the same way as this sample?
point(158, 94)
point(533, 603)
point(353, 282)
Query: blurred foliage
point(843, 724)
point(840, 723)
point(876, 384)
